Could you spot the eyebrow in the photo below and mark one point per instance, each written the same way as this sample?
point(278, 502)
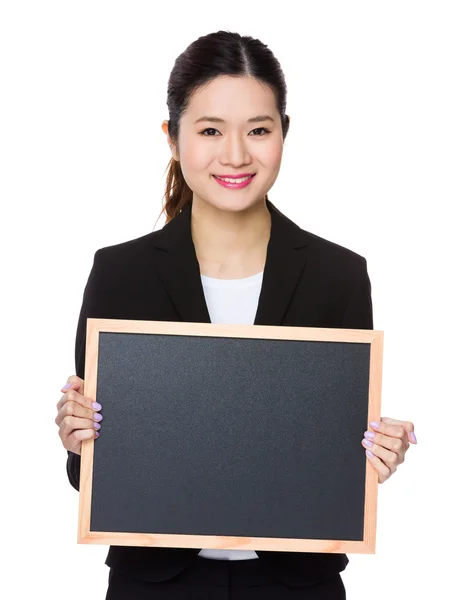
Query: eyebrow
point(258, 119)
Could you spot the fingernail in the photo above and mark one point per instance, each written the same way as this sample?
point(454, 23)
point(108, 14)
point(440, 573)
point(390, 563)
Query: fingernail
point(369, 453)
point(367, 443)
point(96, 406)
point(374, 424)
point(66, 386)
point(98, 416)
point(97, 434)
point(413, 437)
point(97, 426)
point(369, 434)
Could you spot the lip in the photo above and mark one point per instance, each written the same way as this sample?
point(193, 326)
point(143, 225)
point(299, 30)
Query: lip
point(235, 176)
point(235, 186)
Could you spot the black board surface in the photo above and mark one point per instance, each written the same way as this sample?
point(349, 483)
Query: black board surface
point(230, 436)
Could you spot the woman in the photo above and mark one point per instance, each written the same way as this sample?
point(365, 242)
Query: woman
point(225, 255)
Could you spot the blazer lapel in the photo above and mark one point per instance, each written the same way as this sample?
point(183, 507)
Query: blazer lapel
point(179, 271)
point(285, 261)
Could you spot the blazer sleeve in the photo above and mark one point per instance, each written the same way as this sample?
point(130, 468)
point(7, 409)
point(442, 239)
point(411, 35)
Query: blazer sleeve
point(358, 313)
point(89, 308)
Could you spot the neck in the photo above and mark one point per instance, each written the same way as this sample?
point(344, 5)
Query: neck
point(230, 244)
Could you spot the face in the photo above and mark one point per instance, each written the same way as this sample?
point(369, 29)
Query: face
point(231, 128)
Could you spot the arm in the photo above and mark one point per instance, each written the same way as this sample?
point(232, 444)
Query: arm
point(88, 309)
point(387, 442)
point(358, 313)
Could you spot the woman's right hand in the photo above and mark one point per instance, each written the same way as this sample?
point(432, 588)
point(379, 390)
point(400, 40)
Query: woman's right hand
point(77, 416)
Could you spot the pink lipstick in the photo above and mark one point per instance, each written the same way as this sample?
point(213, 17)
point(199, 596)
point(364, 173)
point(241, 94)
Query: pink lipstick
point(235, 182)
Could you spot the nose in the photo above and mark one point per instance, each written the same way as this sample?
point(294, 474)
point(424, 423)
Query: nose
point(234, 151)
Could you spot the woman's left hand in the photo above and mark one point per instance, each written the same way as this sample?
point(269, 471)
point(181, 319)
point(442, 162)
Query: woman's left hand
point(387, 445)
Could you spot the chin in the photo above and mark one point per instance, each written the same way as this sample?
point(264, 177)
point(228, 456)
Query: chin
point(229, 200)
point(234, 204)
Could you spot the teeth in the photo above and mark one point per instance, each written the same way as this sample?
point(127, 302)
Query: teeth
point(234, 180)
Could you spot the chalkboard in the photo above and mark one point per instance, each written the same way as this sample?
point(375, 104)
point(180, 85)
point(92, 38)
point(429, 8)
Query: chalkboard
point(230, 436)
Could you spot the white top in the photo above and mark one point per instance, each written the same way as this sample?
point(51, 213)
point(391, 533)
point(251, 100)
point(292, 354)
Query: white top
point(233, 301)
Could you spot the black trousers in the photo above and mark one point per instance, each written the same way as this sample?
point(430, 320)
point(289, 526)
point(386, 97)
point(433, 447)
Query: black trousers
point(208, 579)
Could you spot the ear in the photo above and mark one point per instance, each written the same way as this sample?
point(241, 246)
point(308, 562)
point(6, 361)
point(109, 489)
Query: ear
point(288, 123)
point(173, 148)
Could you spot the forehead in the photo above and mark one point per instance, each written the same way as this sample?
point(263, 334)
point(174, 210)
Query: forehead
point(237, 98)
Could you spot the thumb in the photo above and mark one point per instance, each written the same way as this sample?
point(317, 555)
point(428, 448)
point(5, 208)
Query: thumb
point(74, 383)
point(407, 425)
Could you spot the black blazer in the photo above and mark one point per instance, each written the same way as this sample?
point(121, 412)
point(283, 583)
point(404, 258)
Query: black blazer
point(308, 281)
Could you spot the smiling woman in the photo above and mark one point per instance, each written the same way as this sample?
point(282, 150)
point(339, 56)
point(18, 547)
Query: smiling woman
point(234, 154)
point(227, 125)
point(227, 103)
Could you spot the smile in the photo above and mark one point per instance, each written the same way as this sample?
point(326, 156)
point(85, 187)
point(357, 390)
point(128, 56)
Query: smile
point(241, 182)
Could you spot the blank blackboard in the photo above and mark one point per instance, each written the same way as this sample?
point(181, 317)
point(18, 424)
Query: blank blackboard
point(224, 436)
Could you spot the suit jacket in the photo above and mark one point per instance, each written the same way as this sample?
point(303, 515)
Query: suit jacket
point(308, 281)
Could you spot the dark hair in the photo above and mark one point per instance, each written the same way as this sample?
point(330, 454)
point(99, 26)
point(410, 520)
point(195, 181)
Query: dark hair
point(212, 55)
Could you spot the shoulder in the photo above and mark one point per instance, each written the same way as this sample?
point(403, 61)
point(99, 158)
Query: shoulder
point(323, 254)
point(122, 263)
point(331, 260)
point(341, 281)
point(334, 255)
point(127, 250)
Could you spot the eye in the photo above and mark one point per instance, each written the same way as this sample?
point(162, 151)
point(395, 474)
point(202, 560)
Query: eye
point(261, 129)
point(211, 129)
point(208, 129)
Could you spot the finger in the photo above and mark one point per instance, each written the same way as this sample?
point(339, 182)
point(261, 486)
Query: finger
point(408, 426)
point(391, 459)
point(396, 445)
point(75, 383)
point(396, 431)
point(382, 470)
point(70, 424)
point(75, 404)
point(73, 441)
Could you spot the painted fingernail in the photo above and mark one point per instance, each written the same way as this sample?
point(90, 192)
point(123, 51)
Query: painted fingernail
point(97, 426)
point(367, 443)
point(369, 453)
point(413, 437)
point(97, 434)
point(98, 416)
point(369, 434)
point(96, 406)
point(374, 424)
point(66, 386)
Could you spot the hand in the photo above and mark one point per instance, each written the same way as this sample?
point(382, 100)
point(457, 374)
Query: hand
point(387, 445)
point(76, 415)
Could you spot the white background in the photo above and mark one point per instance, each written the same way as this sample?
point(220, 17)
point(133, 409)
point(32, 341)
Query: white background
point(370, 162)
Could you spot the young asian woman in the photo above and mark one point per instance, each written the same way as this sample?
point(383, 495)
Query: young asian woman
point(226, 254)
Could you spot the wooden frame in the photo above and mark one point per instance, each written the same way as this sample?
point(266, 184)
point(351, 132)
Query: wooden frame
point(371, 337)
